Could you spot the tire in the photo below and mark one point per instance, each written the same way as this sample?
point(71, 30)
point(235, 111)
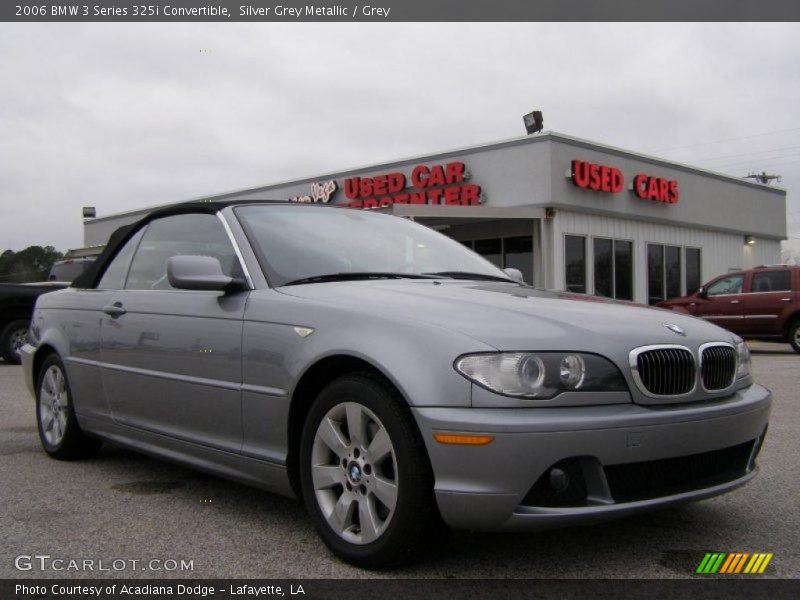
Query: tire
point(794, 335)
point(12, 338)
point(381, 474)
point(59, 433)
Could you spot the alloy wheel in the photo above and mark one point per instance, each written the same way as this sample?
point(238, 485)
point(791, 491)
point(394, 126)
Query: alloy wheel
point(53, 405)
point(354, 472)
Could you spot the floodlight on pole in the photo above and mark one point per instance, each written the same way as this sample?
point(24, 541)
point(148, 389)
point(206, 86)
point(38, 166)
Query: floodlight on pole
point(534, 122)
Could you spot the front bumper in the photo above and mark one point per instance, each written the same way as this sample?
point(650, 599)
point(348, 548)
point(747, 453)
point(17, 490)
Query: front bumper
point(490, 487)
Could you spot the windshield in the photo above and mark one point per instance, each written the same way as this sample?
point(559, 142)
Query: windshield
point(297, 242)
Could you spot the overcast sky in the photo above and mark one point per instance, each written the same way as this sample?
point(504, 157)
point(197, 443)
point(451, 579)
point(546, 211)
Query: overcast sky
point(126, 116)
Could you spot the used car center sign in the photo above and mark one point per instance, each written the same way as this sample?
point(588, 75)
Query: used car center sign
point(442, 184)
point(436, 184)
point(602, 178)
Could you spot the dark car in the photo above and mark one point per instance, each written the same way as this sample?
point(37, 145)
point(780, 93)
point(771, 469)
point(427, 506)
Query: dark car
point(16, 306)
point(70, 269)
point(759, 304)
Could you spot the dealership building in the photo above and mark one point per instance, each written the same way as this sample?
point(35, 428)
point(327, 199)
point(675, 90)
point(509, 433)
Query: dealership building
point(568, 213)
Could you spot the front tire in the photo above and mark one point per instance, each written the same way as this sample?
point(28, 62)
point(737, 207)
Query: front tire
point(365, 476)
point(59, 432)
point(12, 338)
point(794, 335)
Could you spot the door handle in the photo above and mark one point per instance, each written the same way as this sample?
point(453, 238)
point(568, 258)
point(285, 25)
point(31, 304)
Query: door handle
point(786, 299)
point(736, 301)
point(115, 310)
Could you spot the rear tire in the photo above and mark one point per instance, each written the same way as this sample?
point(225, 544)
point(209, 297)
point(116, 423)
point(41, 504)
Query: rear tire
point(59, 432)
point(794, 335)
point(365, 475)
point(12, 338)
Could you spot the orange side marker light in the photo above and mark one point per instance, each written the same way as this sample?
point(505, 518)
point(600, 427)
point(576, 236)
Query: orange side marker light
point(463, 439)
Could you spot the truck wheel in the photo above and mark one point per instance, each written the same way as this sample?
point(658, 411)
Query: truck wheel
point(12, 339)
point(365, 475)
point(794, 335)
point(59, 432)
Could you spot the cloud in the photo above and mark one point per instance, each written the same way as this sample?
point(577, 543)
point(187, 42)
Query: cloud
point(125, 116)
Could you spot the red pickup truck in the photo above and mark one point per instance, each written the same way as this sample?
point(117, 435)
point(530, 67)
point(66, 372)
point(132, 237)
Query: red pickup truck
point(759, 304)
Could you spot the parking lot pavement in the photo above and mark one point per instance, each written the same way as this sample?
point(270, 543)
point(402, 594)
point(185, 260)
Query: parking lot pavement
point(126, 506)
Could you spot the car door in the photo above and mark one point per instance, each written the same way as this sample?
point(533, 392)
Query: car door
point(769, 295)
point(722, 302)
point(82, 324)
point(172, 358)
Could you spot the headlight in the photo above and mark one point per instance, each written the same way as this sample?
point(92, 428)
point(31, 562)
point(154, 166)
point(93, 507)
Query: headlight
point(540, 374)
point(743, 360)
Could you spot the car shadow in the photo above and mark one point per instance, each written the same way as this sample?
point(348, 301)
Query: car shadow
point(682, 531)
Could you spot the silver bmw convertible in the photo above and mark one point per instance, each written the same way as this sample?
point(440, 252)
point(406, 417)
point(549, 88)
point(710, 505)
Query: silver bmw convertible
point(394, 380)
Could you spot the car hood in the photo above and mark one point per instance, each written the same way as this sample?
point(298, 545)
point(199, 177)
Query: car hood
point(513, 317)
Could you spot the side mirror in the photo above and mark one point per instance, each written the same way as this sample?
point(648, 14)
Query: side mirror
point(515, 274)
point(702, 292)
point(203, 273)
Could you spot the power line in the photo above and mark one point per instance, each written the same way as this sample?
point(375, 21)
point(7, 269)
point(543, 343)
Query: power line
point(744, 137)
point(761, 161)
point(749, 153)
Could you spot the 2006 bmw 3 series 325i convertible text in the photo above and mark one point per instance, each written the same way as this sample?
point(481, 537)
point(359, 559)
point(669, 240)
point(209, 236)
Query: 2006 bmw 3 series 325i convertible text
point(391, 378)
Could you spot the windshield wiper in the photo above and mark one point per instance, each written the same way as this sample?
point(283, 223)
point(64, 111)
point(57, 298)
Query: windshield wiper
point(469, 275)
point(359, 275)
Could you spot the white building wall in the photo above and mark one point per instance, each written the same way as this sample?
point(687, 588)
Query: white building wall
point(721, 252)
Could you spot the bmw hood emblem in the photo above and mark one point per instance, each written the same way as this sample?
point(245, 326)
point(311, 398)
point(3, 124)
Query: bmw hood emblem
point(675, 328)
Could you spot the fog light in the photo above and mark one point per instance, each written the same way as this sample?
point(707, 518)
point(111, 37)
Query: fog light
point(572, 370)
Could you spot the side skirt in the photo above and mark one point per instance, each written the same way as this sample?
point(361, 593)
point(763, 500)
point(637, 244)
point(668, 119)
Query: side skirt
point(265, 475)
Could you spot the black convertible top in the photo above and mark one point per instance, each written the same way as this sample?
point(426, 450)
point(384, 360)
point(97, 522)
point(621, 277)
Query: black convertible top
point(91, 276)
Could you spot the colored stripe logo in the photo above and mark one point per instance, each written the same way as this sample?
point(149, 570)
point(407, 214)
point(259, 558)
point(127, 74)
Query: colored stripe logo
point(734, 563)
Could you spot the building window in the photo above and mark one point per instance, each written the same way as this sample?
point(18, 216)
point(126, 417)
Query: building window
point(604, 267)
point(613, 268)
point(518, 253)
point(673, 270)
point(623, 270)
point(694, 278)
point(514, 252)
point(491, 250)
point(665, 272)
point(575, 263)
point(655, 273)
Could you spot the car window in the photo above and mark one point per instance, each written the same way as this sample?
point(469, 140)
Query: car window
point(179, 235)
point(771, 281)
point(727, 285)
point(114, 276)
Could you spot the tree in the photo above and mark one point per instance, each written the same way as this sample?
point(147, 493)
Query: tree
point(28, 265)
